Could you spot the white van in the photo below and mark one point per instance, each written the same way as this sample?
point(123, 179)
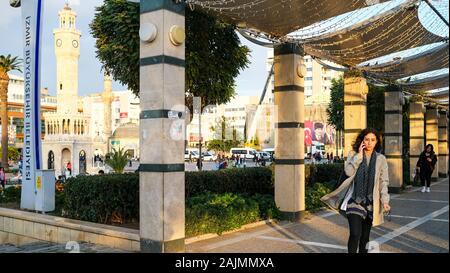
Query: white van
point(247, 152)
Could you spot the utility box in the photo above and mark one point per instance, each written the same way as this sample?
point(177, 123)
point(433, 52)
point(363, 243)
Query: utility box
point(45, 190)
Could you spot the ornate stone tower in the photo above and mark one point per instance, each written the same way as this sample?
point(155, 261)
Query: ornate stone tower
point(67, 50)
point(68, 137)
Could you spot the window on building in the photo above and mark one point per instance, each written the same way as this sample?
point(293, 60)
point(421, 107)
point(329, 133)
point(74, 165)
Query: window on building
point(60, 86)
point(308, 79)
point(309, 69)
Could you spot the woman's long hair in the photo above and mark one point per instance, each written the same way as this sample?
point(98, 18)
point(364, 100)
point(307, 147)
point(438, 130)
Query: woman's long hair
point(429, 145)
point(361, 136)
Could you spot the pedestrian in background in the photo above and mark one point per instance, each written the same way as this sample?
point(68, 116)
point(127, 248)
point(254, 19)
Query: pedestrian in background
point(425, 166)
point(2, 177)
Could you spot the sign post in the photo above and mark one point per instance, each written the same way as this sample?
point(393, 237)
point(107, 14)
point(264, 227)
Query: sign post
point(32, 11)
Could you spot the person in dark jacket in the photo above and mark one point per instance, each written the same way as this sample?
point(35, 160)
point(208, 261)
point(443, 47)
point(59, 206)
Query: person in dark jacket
point(425, 166)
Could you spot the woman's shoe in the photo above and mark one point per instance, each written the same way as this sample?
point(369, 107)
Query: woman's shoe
point(423, 189)
point(428, 189)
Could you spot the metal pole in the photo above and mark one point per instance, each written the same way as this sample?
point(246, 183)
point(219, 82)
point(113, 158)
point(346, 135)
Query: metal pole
point(436, 11)
point(200, 137)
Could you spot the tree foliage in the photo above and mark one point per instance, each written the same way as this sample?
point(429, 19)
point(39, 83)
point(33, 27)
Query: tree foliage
point(7, 64)
point(116, 30)
point(225, 137)
point(117, 160)
point(335, 109)
point(375, 106)
point(13, 153)
point(214, 55)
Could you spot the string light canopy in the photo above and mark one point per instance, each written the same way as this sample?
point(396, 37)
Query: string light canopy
point(442, 94)
point(394, 32)
point(429, 60)
point(277, 18)
point(426, 84)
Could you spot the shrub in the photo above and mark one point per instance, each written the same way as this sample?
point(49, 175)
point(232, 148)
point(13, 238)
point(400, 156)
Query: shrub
point(318, 173)
point(313, 195)
point(322, 173)
point(11, 194)
point(246, 180)
point(217, 213)
point(102, 198)
point(115, 198)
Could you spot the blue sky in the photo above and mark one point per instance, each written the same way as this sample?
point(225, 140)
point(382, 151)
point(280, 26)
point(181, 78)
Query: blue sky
point(90, 78)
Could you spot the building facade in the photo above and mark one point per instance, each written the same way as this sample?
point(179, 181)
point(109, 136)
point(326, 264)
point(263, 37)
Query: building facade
point(15, 110)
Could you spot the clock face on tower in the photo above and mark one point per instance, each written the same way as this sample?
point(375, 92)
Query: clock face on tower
point(58, 43)
point(75, 43)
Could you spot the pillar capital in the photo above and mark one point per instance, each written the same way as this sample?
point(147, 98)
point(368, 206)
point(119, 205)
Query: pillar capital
point(288, 48)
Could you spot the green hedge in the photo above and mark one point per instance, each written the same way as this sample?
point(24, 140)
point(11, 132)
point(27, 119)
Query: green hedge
point(322, 173)
point(313, 195)
point(102, 198)
point(246, 180)
point(109, 198)
point(217, 213)
point(11, 195)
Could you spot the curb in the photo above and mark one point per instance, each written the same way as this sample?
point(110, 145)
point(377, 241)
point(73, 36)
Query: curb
point(207, 236)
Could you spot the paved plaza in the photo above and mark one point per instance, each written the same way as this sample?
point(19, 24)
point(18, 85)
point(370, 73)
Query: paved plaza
point(418, 224)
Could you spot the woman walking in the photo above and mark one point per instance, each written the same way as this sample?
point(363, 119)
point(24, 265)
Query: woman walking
point(2, 177)
point(425, 166)
point(363, 196)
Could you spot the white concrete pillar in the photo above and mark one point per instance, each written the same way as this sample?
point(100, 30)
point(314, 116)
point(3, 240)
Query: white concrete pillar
point(289, 71)
point(431, 133)
point(393, 142)
point(443, 144)
point(162, 87)
point(416, 134)
point(355, 109)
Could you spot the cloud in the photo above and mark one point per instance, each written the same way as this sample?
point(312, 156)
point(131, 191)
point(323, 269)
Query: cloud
point(74, 2)
point(8, 15)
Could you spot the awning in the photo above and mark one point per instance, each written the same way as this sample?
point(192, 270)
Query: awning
point(440, 95)
point(426, 84)
point(279, 17)
point(397, 31)
point(430, 60)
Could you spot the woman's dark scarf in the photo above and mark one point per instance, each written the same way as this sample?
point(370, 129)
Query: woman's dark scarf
point(364, 180)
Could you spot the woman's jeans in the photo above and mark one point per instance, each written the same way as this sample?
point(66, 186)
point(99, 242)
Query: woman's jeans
point(359, 233)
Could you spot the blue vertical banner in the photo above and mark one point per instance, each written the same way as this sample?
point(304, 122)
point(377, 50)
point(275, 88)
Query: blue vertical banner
point(32, 11)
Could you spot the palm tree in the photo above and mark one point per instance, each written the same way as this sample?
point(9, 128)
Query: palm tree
point(7, 64)
point(117, 160)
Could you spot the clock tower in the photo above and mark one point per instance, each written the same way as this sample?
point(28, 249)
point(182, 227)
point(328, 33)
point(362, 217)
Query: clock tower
point(67, 50)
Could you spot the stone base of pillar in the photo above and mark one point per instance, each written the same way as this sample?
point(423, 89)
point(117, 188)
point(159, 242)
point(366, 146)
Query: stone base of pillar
point(297, 216)
point(395, 190)
point(151, 246)
point(434, 179)
point(443, 175)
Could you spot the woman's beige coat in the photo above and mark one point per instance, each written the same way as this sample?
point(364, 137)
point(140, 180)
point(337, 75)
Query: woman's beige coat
point(380, 192)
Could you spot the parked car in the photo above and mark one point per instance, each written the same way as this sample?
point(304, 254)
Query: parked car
point(207, 156)
point(270, 151)
point(246, 152)
point(264, 155)
point(193, 153)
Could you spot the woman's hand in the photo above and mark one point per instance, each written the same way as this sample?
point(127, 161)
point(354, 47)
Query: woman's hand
point(386, 207)
point(361, 147)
